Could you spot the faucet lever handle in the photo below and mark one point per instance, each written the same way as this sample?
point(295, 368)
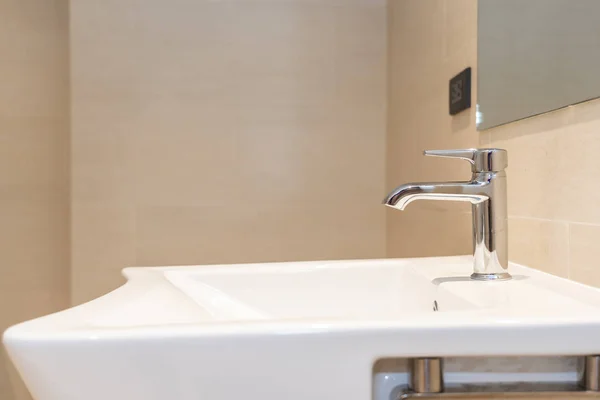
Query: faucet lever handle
point(464, 154)
point(482, 160)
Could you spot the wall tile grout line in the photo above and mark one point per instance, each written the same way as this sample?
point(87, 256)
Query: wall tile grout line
point(558, 221)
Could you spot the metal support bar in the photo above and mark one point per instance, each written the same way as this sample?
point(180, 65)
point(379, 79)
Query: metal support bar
point(500, 395)
point(426, 383)
point(426, 375)
point(591, 374)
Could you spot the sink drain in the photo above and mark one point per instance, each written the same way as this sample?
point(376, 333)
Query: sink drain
point(435, 305)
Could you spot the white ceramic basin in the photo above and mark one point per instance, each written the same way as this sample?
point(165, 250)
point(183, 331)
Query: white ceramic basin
point(293, 331)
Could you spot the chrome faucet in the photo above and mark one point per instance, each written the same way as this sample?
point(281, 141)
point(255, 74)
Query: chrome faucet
point(486, 191)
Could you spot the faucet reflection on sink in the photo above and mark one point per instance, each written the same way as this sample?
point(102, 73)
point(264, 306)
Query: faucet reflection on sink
point(486, 191)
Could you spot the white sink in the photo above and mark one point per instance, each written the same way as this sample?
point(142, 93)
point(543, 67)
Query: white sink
point(293, 331)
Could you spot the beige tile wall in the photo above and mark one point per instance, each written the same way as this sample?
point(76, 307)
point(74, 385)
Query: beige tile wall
point(429, 42)
point(554, 217)
point(229, 131)
point(34, 177)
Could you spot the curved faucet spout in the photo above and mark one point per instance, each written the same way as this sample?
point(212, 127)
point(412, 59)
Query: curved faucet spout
point(454, 191)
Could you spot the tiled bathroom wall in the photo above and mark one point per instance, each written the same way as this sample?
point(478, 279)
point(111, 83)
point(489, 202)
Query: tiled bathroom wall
point(34, 162)
point(554, 198)
point(429, 42)
point(553, 201)
point(225, 131)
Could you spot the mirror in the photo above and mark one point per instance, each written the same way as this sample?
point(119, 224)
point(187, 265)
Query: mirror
point(535, 56)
